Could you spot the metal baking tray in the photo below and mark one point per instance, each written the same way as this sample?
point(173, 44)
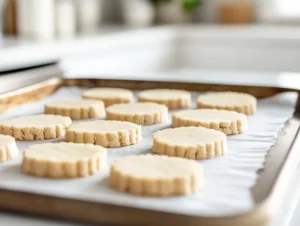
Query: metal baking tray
point(281, 161)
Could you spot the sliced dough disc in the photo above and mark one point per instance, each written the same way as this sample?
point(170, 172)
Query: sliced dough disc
point(154, 175)
point(63, 160)
point(109, 95)
point(105, 133)
point(35, 127)
point(76, 109)
point(228, 122)
point(8, 148)
point(139, 113)
point(172, 98)
point(240, 102)
point(190, 142)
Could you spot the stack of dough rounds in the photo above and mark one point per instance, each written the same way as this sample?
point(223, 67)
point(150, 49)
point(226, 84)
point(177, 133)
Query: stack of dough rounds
point(228, 122)
point(35, 127)
point(105, 133)
point(232, 101)
point(8, 148)
point(76, 109)
point(153, 175)
point(63, 160)
point(190, 142)
point(139, 113)
point(172, 98)
point(109, 95)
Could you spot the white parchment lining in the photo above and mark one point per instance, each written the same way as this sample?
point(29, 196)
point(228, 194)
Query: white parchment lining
point(228, 179)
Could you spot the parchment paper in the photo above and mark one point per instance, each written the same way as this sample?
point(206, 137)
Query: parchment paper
point(228, 179)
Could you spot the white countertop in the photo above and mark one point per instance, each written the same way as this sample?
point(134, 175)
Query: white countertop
point(25, 53)
point(22, 52)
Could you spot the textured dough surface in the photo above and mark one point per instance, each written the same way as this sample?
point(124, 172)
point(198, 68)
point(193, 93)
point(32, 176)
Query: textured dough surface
point(190, 142)
point(172, 98)
point(139, 113)
point(8, 148)
point(109, 95)
point(240, 102)
point(228, 122)
point(63, 160)
point(76, 109)
point(35, 127)
point(154, 175)
point(105, 133)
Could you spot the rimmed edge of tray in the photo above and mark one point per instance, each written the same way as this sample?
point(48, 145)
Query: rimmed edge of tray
point(267, 192)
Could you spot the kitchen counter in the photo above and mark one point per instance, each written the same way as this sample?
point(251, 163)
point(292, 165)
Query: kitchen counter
point(23, 52)
point(105, 54)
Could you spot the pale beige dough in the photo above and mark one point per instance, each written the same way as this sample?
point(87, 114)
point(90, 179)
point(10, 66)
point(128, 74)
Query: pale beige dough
point(172, 98)
point(228, 122)
point(139, 113)
point(8, 148)
point(63, 160)
point(105, 133)
point(109, 95)
point(76, 109)
point(190, 142)
point(153, 175)
point(35, 127)
point(232, 101)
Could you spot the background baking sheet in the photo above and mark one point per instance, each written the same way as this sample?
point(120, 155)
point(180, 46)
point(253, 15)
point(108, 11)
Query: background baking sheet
point(228, 179)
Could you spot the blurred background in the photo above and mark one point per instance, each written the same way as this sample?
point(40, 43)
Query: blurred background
point(48, 19)
point(198, 38)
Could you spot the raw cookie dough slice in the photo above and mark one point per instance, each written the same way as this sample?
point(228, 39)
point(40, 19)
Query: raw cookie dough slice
point(109, 95)
point(240, 102)
point(76, 109)
point(139, 113)
point(228, 122)
point(8, 148)
point(172, 98)
point(190, 142)
point(63, 160)
point(153, 175)
point(105, 133)
point(35, 127)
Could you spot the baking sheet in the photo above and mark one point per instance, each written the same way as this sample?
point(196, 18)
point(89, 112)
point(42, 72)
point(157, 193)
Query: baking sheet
point(228, 179)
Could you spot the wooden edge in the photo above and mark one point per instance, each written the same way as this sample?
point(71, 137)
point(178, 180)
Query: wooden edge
point(70, 209)
point(264, 191)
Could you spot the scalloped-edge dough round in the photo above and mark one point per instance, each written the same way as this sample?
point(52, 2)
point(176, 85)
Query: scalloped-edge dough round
point(172, 98)
point(138, 113)
point(8, 148)
point(228, 122)
point(109, 95)
point(232, 101)
point(76, 109)
point(105, 133)
point(35, 127)
point(63, 160)
point(190, 142)
point(154, 175)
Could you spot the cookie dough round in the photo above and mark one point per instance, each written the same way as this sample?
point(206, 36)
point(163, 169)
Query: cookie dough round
point(35, 127)
point(139, 113)
point(190, 142)
point(105, 133)
point(153, 175)
point(228, 122)
point(240, 102)
point(8, 148)
point(109, 95)
point(63, 160)
point(76, 109)
point(172, 98)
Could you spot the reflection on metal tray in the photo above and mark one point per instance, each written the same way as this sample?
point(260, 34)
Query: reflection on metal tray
point(267, 192)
